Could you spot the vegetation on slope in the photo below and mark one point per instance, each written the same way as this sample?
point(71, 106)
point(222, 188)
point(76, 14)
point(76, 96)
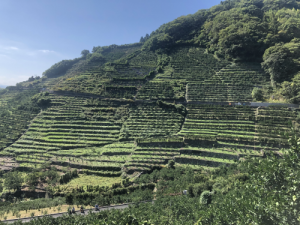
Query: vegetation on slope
point(237, 30)
point(60, 68)
point(237, 51)
point(16, 112)
point(260, 191)
point(240, 30)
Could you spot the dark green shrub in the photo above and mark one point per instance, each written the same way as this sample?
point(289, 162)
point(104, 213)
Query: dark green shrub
point(68, 176)
point(190, 190)
point(69, 198)
point(205, 198)
point(241, 177)
point(13, 180)
point(198, 189)
point(171, 164)
point(257, 94)
point(200, 178)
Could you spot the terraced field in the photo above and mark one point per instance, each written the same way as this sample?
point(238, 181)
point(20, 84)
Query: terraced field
point(64, 132)
point(240, 126)
point(115, 52)
point(93, 76)
point(166, 90)
point(15, 116)
point(84, 134)
point(146, 120)
point(156, 152)
point(214, 135)
point(153, 152)
point(124, 129)
point(273, 123)
point(192, 64)
point(88, 79)
point(231, 84)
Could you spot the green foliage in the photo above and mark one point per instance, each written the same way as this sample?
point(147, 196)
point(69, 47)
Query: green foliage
point(269, 193)
point(70, 132)
point(68, 176)
point(69, 199)
point(105, 196)
point(85, 52)
point(32, 204)
point(242, 30)
point(32, 180)
point(42, 99)
point(162, 90)
point(44, 175)
point(171, 164)
point(32, 78)
point(60, 68)
point(279, 4)
point(95, 57)
point(13, 180)
point(176, 107)
point(117, 52)
point(16, 110)
point(291, 90)
point(161, 120)
point(282, 61)
point(179, 32)
point(195, 190)
point(205, 197)
point(257, 94)
point(200, 178)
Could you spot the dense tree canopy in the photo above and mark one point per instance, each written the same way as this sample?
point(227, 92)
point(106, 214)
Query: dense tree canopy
point(85, 52)
point(60, 68)
point(13, 180)
point(95, 57)
point(282, 60)
point(291, 90)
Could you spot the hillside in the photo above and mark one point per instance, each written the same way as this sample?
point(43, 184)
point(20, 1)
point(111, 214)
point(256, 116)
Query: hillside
point(200, 90)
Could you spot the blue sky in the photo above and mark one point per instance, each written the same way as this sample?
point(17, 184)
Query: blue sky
point(35, 34)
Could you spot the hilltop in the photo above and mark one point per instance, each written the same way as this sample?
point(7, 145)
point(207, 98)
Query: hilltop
point(200, 92)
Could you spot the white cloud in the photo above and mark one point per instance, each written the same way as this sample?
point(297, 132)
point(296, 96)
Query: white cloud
point(42, 51)
point(11, 48)
point(46, 51)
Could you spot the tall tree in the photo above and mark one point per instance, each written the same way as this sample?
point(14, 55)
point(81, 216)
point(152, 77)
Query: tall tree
point(282, 61)
point(85, 52)
point(13, 180)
